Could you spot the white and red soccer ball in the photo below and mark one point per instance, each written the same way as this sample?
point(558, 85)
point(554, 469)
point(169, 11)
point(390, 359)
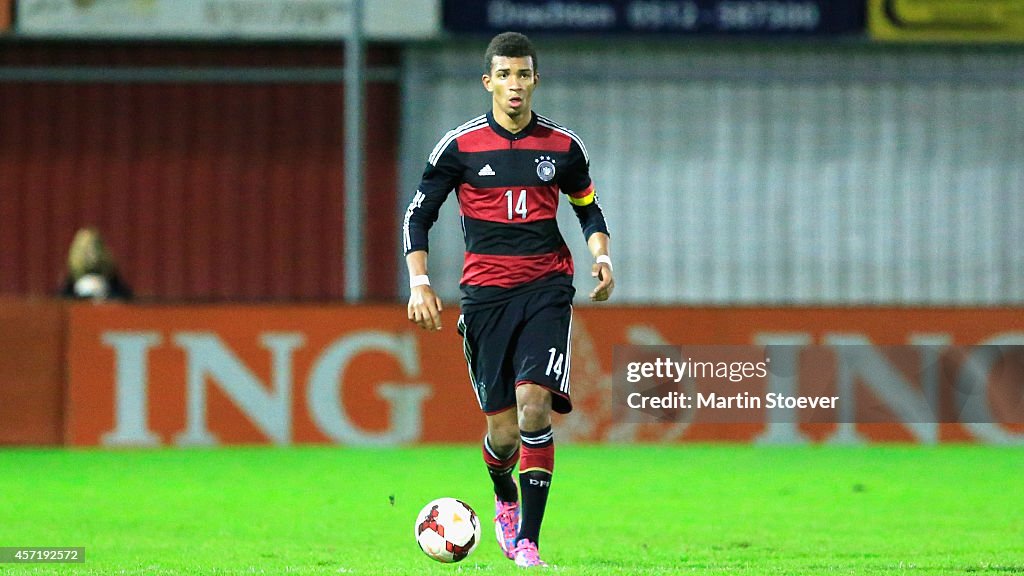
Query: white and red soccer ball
point(447, 530)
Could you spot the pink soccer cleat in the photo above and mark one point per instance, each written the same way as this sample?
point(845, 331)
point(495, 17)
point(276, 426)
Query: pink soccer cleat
point(506, 525)
point(527, 555)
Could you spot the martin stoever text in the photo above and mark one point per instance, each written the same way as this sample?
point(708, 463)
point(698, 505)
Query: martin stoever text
point(711, 400)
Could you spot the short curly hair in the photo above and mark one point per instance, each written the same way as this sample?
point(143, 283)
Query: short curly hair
point(510, 45)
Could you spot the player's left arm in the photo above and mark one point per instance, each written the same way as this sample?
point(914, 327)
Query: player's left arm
point(580, 191)
point(602, 268)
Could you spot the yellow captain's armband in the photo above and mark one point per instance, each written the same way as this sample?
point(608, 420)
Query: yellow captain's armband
point(582, 198)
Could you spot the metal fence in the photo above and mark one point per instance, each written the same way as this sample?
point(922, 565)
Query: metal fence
point(790, 174)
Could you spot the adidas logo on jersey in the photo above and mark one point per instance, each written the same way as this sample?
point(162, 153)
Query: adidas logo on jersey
point(486, 171)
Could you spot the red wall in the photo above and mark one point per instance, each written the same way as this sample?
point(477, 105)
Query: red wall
point(32, 378)
point(203, 191)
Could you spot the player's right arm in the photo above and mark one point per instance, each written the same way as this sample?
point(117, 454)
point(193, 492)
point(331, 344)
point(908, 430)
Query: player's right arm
point(425, 307)
point(441, 175)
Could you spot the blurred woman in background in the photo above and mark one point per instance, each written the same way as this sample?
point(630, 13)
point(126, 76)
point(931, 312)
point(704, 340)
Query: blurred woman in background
point(92, 273)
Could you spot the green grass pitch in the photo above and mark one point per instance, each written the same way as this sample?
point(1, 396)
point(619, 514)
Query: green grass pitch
point(684, 509)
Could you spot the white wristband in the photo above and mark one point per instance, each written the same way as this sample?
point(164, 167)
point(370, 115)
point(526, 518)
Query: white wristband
point(420, 280)
point(605, 259)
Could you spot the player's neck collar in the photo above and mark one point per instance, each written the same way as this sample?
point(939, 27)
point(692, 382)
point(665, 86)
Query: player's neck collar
point(501, 131)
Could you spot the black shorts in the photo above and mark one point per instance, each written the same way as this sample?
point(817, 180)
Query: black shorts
point(525, 339)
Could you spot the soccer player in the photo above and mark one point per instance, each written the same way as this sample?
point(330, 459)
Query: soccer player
point(509, 168)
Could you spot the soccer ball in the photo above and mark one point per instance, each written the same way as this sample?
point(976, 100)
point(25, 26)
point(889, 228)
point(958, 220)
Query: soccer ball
point(447, 530)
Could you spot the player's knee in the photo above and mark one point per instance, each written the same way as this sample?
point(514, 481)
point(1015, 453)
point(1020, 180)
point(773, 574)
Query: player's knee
point(534, 404)
point(533, 417)
point(503, 431)
point(504, 436)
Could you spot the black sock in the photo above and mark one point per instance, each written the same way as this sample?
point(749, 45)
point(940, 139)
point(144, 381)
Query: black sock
point(535, 468)
point(500, 469)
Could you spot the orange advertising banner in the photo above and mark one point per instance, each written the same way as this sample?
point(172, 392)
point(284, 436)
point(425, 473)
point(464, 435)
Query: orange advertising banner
point(31, 372)
point(212, 375)
point(208, 375)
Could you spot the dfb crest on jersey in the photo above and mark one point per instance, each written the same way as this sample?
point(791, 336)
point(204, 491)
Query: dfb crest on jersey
point(545, 168)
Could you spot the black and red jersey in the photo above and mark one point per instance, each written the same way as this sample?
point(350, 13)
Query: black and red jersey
point(508, 188)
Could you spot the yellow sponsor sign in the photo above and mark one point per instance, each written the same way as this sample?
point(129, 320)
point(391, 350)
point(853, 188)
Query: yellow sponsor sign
point(947, 20)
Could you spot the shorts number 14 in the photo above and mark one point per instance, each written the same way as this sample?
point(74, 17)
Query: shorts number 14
point(555, 363)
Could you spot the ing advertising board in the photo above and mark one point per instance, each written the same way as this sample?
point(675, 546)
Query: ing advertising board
point(159, 376)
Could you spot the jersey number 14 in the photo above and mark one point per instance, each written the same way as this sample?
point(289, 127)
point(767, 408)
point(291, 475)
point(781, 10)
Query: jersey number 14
point(517, 207)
